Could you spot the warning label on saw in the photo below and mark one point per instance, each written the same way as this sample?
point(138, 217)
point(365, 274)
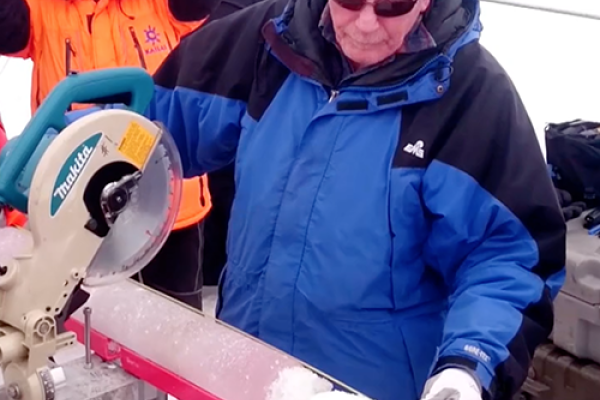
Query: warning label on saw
point(136, 145)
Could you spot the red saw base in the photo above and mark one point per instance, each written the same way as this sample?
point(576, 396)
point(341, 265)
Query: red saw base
point(140, 367)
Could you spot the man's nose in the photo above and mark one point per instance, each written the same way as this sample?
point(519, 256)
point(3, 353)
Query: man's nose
point(367, 19)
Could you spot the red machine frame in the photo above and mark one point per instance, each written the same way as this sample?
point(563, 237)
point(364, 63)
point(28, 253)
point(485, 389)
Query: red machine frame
point(141, 368)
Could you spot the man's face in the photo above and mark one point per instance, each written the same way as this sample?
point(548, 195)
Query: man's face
point(367, 38)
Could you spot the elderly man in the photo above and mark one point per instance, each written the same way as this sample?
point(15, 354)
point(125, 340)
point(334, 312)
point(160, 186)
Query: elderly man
point(393, 224)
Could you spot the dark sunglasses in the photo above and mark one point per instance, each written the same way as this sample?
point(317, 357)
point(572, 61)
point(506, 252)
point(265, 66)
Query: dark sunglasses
point(382, 8)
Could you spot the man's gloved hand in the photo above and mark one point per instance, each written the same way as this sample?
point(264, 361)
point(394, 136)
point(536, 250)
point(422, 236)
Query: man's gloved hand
point(452, 384)
point(564, 197)
point(574, 210)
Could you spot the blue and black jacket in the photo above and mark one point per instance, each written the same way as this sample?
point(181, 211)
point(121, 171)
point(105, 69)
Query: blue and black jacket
point(386, 224)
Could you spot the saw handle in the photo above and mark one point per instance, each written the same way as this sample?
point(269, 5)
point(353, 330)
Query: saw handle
point(131, 85)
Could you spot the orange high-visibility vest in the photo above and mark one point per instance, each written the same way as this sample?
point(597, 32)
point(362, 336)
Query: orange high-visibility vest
point(12, 217)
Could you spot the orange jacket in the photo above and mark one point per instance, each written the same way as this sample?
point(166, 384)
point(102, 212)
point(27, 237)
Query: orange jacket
point(3, 137)
point(12, 217)
point(83, 35)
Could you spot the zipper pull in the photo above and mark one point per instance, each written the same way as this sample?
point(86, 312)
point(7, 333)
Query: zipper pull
point(69, 54)
point(333, 94)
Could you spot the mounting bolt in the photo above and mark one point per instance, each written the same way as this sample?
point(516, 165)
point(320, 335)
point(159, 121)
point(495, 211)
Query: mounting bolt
point(43, 327)
point(87, 336)
point(13, 391)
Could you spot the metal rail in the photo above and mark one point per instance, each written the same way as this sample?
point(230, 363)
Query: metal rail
point(554, 10)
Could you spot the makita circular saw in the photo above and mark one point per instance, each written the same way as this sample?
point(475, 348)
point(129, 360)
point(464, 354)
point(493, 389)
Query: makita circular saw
point(101, 196)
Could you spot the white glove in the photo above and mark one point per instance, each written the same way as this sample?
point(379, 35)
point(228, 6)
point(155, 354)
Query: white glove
point(452, 384)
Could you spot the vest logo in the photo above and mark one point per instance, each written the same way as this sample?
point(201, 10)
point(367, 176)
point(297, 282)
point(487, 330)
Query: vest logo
point(153, 39)
point(71, 170)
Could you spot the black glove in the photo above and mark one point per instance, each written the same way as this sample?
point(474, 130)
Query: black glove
point(564, 197)
point(574, 210)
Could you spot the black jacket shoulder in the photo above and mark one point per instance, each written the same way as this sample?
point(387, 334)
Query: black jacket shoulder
point(481, 127)
point(220, 57)
point(480, 110)
point(227, 7)
point(192, 10)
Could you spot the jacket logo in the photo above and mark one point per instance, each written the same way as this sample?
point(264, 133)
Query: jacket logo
point(153, 39)
point(417, 149)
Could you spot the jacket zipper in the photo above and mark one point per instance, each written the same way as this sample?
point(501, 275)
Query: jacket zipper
point(168, 43)
point(69, 53)
point(138, 47)
point(38, 97)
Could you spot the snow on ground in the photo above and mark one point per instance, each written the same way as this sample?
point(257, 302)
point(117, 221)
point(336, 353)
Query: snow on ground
point(551, 58)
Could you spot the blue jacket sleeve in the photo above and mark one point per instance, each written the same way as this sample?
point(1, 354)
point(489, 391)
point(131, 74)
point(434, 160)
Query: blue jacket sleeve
point(203, 86)
point(205, 127)
point(497, 238)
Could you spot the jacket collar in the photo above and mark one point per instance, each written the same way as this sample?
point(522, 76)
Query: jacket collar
point(295, 39)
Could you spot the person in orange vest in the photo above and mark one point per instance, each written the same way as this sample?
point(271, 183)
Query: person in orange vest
point(66, 36)
point(2, 135)
point(11, 217)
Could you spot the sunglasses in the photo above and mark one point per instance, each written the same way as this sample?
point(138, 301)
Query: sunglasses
point(382, 8)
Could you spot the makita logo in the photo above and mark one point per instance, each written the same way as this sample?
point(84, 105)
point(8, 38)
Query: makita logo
point(71, 170)
point(74, 170)
point(417, 149)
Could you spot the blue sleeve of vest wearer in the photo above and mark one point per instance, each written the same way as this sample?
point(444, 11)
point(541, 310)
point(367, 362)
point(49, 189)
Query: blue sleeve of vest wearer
point(205, 127)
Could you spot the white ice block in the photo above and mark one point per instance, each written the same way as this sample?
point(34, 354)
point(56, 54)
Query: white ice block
point(204, 351)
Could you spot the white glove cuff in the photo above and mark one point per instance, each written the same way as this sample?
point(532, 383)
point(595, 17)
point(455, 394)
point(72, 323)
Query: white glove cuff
point(460, 378)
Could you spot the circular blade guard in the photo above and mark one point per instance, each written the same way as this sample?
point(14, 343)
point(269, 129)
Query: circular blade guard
point(143, 226)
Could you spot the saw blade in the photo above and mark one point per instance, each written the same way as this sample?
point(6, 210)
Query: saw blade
point(142, 227)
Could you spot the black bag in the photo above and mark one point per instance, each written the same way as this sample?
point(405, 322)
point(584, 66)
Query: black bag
point(573, 156)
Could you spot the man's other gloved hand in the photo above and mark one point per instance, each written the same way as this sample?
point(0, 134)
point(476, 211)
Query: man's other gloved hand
point(564, 197)
point(452, 384)
point(570, 209)
point(574, 210)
